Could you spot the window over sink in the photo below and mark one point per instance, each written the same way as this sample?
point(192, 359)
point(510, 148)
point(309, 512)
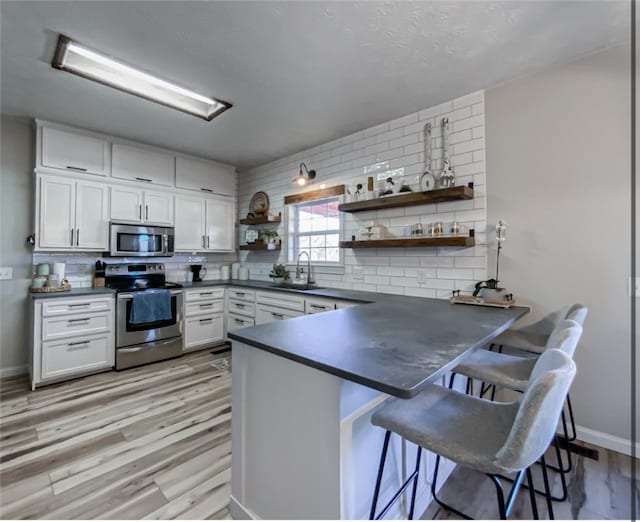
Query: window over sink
point(314, 227)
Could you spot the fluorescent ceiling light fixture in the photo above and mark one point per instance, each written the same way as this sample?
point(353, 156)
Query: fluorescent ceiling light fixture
point(77, 59)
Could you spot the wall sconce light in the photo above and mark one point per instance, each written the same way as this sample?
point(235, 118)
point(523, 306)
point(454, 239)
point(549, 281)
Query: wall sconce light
point(305, 176)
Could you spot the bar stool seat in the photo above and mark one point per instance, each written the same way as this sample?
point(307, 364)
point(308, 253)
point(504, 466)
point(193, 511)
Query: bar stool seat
point(497, 368)
point(457, 426)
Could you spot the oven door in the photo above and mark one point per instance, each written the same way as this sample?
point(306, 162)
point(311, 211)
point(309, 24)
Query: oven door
point(128, 334)
point(140, 241)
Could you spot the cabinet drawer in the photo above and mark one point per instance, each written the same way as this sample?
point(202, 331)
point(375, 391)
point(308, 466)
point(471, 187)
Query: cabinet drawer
point(206, 294)
point(204, 307)
point(270, 314)
point(74, 152)
point(241, 307)
point(78, 324)
point(69, 357)
point(315, 306)
point(281, 299)
point(236, 322)
point(59, 306)
point(242, 294)
point(203, 330)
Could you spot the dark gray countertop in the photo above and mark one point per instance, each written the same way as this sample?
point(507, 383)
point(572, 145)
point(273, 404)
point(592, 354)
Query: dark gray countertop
point(396, 345)
point(74, 292)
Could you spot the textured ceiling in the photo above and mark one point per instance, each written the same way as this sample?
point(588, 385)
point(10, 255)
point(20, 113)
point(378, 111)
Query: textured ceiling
point(298, 73)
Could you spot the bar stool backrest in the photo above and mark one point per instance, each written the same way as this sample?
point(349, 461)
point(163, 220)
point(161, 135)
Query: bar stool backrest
point(577, 313)
point(538, 412)
point(565, 337)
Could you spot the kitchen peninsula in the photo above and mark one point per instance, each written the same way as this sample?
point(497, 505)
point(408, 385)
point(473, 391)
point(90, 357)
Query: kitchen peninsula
point(304, 390)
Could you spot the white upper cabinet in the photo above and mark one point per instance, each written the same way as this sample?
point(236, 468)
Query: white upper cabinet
point(132, 205)
point(92, 216)
point(126, 204)
point(205, 176)
point(141, 164)
point(158, 208)
point(190, 224)
point(220, 225)
point(73, 215)
point(74, 152)
point(57, 211)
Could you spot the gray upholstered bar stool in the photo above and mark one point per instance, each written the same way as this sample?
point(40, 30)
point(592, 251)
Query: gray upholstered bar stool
point(490, 437)
point(508, 371)
point(525, 342)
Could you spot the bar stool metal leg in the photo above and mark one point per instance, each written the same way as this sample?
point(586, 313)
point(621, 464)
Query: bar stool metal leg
point(532, 495)
point(547, 489)
point(383, 456)
point(571, 419)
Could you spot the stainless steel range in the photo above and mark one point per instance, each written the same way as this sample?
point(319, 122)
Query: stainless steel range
point(141, 343)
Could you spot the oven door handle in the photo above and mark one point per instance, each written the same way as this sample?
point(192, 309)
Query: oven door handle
point(140, 348)
point(130, 296)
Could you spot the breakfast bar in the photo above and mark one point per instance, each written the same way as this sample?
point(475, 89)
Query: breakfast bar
point(304, 390)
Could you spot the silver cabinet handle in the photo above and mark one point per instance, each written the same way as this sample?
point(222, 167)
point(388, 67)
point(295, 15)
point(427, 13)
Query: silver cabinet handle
point(79, 169)
point(146, 215)
point(203, 244)
point(205, 293)
point(202, 321)
point(83, 320)
point(279, 316)
point(71, 237)
point(206, 190)
point(240, 293)
point(74, 305)
point(139, 211)
point(206, 305)
point(77, 237)
point(238, 305)
point(238, 321)
point(147, 180)
point(78, 343)
point(319, 307)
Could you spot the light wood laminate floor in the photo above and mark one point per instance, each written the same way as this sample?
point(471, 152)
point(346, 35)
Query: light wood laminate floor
point(151, 442)
point(155, 442)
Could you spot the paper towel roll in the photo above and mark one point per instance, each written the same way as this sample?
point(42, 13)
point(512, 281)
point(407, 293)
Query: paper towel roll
point(235, 270)
point(58, 268)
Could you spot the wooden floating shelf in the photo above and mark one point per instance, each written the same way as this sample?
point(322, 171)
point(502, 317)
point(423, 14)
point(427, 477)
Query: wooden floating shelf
point(262, 220)
point(260, 245)
point(410, 199)
point(454, 241)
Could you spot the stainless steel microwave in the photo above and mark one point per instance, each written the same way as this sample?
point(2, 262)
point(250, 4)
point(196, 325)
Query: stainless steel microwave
point(140, 241)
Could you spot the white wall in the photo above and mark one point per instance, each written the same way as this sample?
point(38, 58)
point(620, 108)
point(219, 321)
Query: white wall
point(16, 223)
point(558, 171)
point(398, 142)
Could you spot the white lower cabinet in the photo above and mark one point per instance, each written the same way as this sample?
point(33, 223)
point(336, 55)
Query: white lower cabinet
point(235, 322)
point(318, 305)
point(269, 314)
point(71, 337)
point(204, 318)
point(69, 357)
point(203, 331)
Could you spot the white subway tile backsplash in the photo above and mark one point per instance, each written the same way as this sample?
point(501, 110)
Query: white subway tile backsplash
point(399, 143)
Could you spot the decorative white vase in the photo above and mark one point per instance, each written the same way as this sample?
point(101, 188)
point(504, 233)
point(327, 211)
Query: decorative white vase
point(491, 294)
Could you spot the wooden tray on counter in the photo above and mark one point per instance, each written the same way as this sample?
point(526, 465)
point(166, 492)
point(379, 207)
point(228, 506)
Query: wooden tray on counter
point(50, 289)
point(479, 301)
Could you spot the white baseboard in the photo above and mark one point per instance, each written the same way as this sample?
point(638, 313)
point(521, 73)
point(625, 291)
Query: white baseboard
point(12, 371)
point(604, 440)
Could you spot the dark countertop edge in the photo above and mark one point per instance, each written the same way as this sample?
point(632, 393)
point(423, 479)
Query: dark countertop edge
point(74, 292)
point(370, 383)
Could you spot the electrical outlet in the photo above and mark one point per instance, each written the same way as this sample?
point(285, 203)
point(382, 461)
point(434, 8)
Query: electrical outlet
point(6, 272)
point(421, 276)
point(358, 273)
point(634, 289)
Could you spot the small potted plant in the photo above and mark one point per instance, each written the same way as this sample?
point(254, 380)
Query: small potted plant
point(279, 273)
point(270, 237)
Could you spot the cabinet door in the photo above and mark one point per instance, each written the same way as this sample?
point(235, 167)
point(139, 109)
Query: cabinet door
point(158, 208)
point(92, 216)
point(73, 152)
point(56, 212)
point(199, 331)
point(68, 357)
point(205, 176)
point(189, 224)
point(220, 225)
point(268, 314)
point(140, 164)
point(126, 204)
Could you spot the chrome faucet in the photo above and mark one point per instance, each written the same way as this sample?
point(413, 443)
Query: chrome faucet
point(300, 271)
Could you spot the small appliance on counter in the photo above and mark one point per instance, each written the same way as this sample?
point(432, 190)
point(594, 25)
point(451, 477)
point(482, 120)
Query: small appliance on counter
point(197, 270)
point(98, 275)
